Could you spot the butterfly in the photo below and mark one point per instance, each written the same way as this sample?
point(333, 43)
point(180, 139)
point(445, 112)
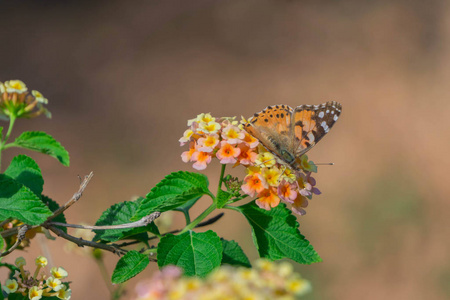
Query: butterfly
point(291, 132)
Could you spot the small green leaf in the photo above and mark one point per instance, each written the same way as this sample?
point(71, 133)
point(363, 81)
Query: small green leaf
point(234, 255)
point(42, 142)
point(120, 213)
point(1, 133)
point(2, 244)
point(19, 202)
point(222, 198)
point(26, 171)
point(187, 206)
point(172, 192)
point(276, 235)
point(129, 266)
point(53, 205)
point(197, 253)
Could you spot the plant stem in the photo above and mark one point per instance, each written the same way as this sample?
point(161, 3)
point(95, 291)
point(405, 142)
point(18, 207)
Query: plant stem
point(105, 275)
point(12, 120)
point(222, 172)
point(203, 215)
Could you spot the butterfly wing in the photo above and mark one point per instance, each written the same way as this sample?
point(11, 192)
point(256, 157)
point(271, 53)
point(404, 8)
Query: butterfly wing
point(311, 123)
point(273, 128)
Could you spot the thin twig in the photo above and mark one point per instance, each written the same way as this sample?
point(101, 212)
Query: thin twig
point(141, 223)
point(205, 223)
point(81, 243)
point(20, 236)
point(74, 198)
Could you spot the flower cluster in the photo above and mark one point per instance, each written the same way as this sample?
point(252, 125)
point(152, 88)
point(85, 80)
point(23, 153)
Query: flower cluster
point(268, 178)
point(266, 280)
point(16, 101)
point(38, 285)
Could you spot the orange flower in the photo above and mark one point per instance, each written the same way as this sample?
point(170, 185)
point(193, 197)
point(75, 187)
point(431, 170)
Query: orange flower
point(287, 192)
point(253, 184)
point(247, 156)
point(250, 140)
point(267, 199)
point(187, 155)
point(201, 160)
point(227, 153)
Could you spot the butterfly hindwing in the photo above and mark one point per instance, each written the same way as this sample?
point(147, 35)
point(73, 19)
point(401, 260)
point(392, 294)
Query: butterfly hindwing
point(312, 122)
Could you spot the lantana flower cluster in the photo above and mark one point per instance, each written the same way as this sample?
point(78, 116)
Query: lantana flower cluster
point(268, 178)
point(267, 280)
point(38, 285)
point(16, 101)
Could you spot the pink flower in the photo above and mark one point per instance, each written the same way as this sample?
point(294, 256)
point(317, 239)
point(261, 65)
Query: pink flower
point(201, 160)
point(299, 203)
point(227, 153)
point(287, 191)
point(267, 199)
point(187, 155)
point(208, 143)
point(233, 134)
point(247, 156)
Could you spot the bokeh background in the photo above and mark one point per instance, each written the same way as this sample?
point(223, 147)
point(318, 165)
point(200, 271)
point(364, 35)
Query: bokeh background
point(123, 78)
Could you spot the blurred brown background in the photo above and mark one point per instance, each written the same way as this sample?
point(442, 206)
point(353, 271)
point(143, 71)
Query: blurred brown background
point(123, 78)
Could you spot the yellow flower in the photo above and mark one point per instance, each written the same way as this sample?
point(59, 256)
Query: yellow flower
point(272, 176)
point(265, 159)
point(2, 88)
point(209, 127)
point(58, 273)
point(298, 286)
point(41, 261)
point(205, 118)
point(35, 293)
point(39, 97)
point(10, 286)
point(20, 262)
point(15, 86)
point(64, 294)
point(54, 284)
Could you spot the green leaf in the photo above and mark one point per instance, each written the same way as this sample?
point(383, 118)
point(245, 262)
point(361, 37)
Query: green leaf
point(173, 191)
point(234, 255)
point(2, 244)
point(120, 213)
point(276, 235)
point(17, 296)
point(53, 206)
point(197, 253)
point(26, 171)
point(222, 198)
point(19, 202)
point(129, 266)
point(42, 142)
point(187, 206)
point(1, 133)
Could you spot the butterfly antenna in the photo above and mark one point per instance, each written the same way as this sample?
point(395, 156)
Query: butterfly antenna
point(324, 164)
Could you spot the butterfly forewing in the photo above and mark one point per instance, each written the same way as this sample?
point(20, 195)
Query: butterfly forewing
point(312, 122)
point(273, 127)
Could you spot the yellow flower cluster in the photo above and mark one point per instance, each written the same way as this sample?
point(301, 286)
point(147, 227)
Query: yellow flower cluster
point(38, 285)
point(17, 102)
point(267, 280)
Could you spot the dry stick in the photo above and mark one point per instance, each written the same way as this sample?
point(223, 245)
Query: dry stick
point(74, 198)
point(20, 236)
point(81, 243)
point(205, 223)
point(141, 223)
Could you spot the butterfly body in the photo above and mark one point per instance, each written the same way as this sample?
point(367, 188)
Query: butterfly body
point(289, 132)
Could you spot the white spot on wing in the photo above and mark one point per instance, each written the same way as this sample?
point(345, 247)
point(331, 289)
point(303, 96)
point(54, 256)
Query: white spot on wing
point(335, 118)
point(321, 114)
point(311, 137)
point(325, 126)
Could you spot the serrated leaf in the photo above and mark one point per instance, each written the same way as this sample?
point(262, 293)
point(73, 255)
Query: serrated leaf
point(196, 253)
point(26, 171)
point(234, 255)
point(53, 206)
point(120, 213)
point(222, 198)
point(42, 142)
point(19, 202)
point(276, 235)
point(129, 266)
point(173, 191)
